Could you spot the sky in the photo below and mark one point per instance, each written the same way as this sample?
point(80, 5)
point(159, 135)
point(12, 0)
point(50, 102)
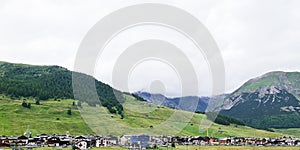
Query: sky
point(253, 36)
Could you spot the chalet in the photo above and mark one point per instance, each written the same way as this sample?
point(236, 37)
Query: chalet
point(135, 146)
point(124, 140)
point(195, 140)
point(142, 140)
point(34, 142)
point(106, 141)
point(65, 141)
point(91, 140)
point(237, 141)
point(214, 141)
point(4, 142)
point(53, 141)
point(249, 141)
point(224, 141)
point(166, 139)
point(110, 141)
point(42, 138)
point(22, 141)
point(155, 140)
point(297, 142)
point(81, 145)
point(99, 142)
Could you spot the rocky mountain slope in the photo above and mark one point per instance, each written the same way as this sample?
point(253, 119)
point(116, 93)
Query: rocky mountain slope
point(269, 101)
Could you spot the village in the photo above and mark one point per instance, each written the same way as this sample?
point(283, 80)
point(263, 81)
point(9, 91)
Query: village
point(142, 141)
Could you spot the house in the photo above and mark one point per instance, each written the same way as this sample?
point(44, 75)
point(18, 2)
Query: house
point(22, 140)
point(53, 141)
point(155, 140)
point(81, 145)
point(42, 138)
point(142, 140)
point(34, 142)
point(249, 141)
point(124, 140)
point(99, 142)
point(82, 142)
point(91, 139)
point(224, 141)
point(65, 141)
point(110, 141)
point(166, 139)
point(106, 141)
point(4, 142)
point(297, 142)
point(135, 146)
point(214, 141)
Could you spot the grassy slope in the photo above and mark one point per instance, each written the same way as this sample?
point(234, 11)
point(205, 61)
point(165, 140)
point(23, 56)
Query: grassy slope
point(139, 116)
point(290, 131)
point(41, 118)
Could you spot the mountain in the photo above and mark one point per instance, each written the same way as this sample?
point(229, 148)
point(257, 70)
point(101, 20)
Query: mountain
point(46, 82)
point(269, 101)
point(183, 103)
point(48, 94)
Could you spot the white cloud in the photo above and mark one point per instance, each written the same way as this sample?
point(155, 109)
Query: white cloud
point(254, 36)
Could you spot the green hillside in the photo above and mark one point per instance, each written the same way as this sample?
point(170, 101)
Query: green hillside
point(47, 82)
point(51, 117)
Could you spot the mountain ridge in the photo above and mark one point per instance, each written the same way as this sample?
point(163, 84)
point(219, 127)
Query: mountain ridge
point(268, 101)
point(176, 102)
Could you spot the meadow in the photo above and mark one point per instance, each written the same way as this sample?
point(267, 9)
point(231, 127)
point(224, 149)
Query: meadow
point(51, 117)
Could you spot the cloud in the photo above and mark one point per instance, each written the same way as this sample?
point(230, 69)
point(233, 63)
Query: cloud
point(254, 36)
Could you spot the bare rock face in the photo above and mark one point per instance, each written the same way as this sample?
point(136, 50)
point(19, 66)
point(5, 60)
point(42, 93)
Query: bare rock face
point(267, 84)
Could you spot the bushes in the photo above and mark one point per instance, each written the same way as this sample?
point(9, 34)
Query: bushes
point(26, 105)
point(69, 112)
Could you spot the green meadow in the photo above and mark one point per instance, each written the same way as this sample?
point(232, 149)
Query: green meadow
point(51, 117)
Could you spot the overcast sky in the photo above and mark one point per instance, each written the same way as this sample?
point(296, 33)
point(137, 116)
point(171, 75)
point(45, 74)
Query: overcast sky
point(254, 37)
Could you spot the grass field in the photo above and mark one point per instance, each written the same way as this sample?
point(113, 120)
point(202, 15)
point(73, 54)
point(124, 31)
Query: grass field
point(50, 117)
point(140, 117)
point(290, 131)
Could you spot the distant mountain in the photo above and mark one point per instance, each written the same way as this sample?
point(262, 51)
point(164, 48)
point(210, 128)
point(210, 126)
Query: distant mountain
point(269, 101)
point(183, 103)
point(46, 82)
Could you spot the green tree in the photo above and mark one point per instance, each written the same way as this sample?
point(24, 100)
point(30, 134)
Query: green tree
point(69, 112)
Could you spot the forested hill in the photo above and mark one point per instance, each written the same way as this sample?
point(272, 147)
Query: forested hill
point(45, 82)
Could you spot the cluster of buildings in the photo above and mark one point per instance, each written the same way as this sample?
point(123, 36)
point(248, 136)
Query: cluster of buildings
point(142, 141)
